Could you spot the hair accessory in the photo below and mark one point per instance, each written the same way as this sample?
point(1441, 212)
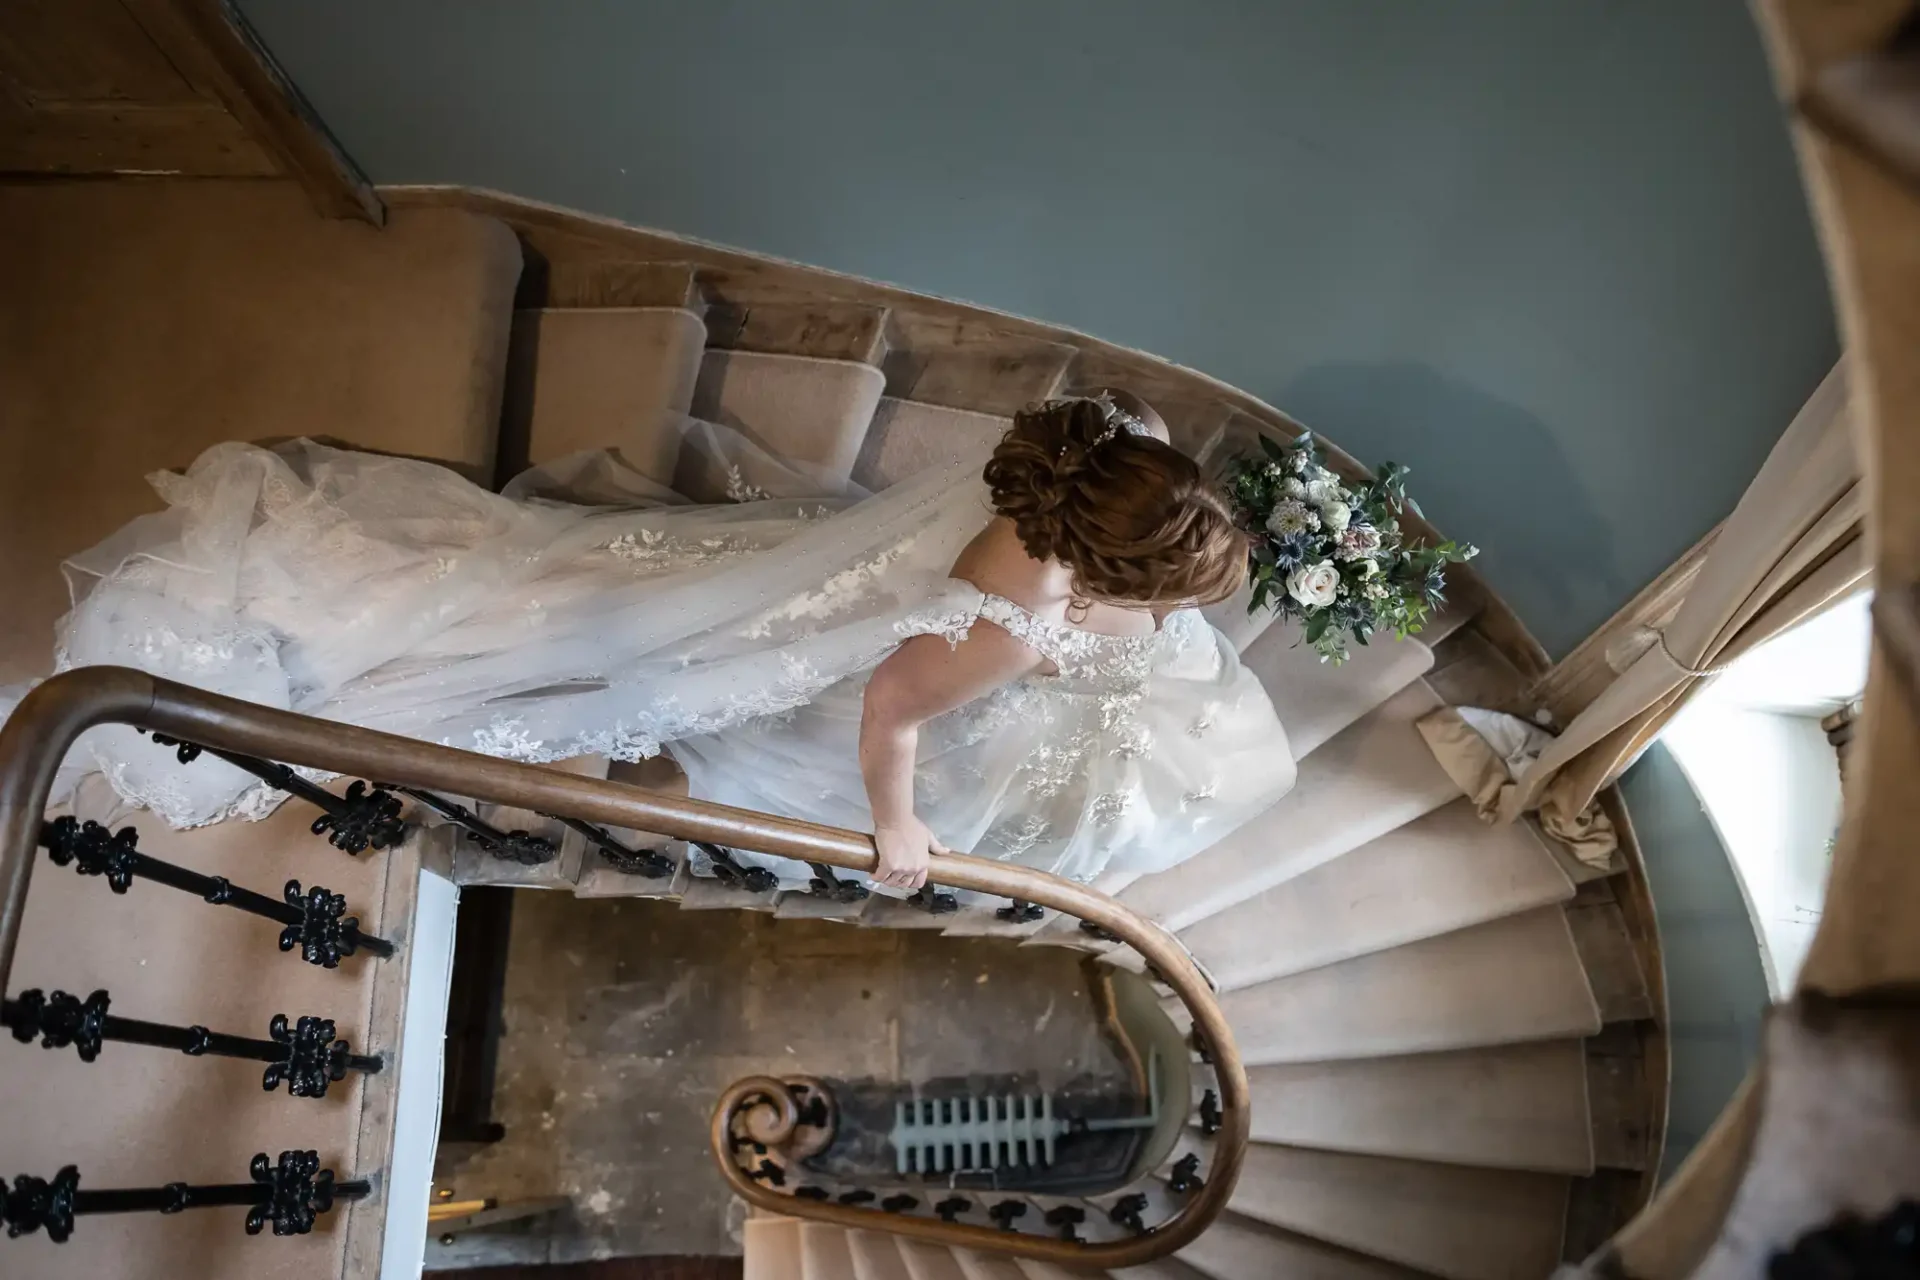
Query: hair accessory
point(1117, 419)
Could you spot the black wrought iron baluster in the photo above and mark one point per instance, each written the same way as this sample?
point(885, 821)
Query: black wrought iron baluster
point(934, 901)
point(898, 1204)
point(859, 1195)
point(1184, 1178)
point(650, 863)
point(1066, 1220)
point(831, 887)
point(1006, 1213)
point(1201, 1048)
point(770, 1172)
point(1126, 1212)
point(289, 1195)
point(1210, 1117)
point(735, 875)
point(304, 1055)
point(315, 918)
point(1098, 932)
point(811, 1193)
point(522, 847)
point(950, 1209)
point(1019, 912)
point(364, 818)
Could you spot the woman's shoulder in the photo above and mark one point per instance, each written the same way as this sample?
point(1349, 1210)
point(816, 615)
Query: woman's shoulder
point(998, 565)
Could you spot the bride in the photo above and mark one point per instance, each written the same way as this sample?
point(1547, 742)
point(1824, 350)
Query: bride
point(1004, 660)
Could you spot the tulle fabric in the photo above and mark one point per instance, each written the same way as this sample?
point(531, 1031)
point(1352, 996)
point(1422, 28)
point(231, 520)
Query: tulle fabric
point(587, 610)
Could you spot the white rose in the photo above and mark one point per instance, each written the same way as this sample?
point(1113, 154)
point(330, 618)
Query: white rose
point(1336, 515)
point(1369, 568)
point(1314, 585)
point(1324, 492)
point(1293, 488)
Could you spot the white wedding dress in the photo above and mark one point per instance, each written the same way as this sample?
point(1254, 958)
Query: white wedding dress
point(587, 610)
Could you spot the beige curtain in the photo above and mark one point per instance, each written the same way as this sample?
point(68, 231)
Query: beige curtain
point(1791, 548)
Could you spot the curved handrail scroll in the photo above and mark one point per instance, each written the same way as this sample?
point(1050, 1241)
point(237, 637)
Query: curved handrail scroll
point(37, 737)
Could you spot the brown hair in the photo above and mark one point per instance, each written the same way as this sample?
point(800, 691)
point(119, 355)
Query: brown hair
point(1128, 514)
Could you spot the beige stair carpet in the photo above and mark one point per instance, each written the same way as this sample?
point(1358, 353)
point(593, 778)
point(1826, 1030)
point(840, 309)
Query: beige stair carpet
point(929, 1261)
point(1518, 1106)
point(907, 436)
point(1236, 1248)
point(987, 1266)
point(1463, 1224)
point(772, 1248)
point(811, 411)
point(1164, 1269)
point(1505, 982)
point(1443, 871)
point(1372, 777)
point(876, 1256)
point(149, 320)
point(604, 378)
point(1316, 699)
point(826, 1252)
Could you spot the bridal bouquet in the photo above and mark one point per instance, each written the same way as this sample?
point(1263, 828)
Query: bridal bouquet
point(1332, 556)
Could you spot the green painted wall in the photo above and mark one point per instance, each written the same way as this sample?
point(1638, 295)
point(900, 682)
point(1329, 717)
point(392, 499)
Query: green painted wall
point(1554, 255)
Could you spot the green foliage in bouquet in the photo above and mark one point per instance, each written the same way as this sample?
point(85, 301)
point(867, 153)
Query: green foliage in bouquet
point(1331, 556)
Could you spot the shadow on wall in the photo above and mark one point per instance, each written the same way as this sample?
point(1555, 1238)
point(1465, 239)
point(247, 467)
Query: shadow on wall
point(1544, 546)
point(1716, 985)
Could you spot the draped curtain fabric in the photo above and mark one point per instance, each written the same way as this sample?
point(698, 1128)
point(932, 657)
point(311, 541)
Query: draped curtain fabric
point(1791, 548)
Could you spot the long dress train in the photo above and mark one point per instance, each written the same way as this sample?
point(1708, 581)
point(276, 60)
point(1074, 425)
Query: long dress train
point(587, 610)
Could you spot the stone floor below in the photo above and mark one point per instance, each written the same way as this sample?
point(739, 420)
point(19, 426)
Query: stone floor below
point(624, 1019)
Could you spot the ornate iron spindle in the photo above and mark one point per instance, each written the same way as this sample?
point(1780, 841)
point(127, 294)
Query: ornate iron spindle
point(1201, 1048)
point(364, 818)
point(1098, 932)
point(650, 863)
point(1126, 1212)
point(1066, 1219)
point(898, 1204)
point(522, 847)
point(811, 1193)
point(1184, 1178)
point(1209, 1113)
point(859, 1195)
point(1006, 1213)
point(933, 901)
point(315, 918)
point(288, 1195)
point(734, 875)
point(950, 1209)
point(304, 1055)
point(1019, 912)
point(831, 887)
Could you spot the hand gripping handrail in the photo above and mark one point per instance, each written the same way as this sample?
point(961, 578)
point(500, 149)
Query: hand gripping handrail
point(41, 730)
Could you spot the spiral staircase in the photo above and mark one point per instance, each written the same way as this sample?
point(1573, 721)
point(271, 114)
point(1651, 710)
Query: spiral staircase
point(1452, 1046)
point(1450, 1033)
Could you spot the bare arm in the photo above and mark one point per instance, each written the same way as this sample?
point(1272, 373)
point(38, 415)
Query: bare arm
point(923, 678)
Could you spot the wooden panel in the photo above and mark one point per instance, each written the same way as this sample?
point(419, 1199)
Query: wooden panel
point(986, 373)
point(823, 329)
point(1607, 954)
point(608, 284)
point(1617, 1097)
point(61, 51)
point(220, 54)
point(1468, 671)
point(194, 138)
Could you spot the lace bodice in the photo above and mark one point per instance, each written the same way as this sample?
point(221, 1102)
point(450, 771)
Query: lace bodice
point(1104, 663)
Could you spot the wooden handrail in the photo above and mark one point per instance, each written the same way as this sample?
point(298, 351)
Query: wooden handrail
point(37, 737)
